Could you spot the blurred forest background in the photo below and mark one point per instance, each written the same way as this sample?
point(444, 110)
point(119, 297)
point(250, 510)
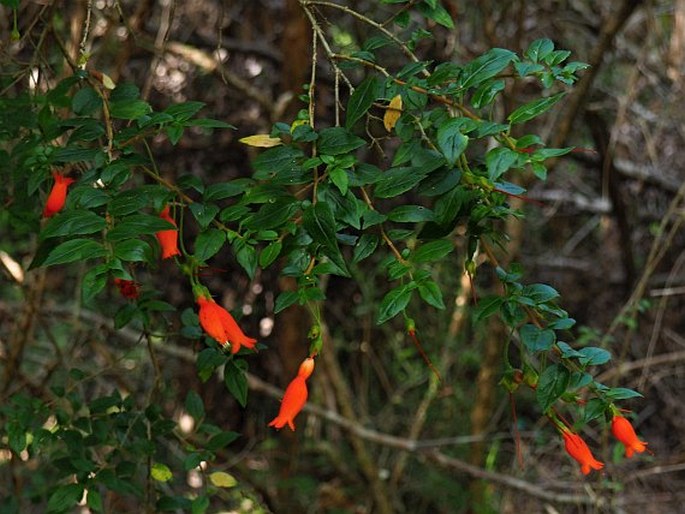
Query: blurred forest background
point(380, 434)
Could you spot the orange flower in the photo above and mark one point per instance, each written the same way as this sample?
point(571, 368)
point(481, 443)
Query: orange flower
point(624, 432)
point(128, 288)
point(57, 196)
point(168, 239)
point(578, 449)
point(295, 397)
point(219, 324)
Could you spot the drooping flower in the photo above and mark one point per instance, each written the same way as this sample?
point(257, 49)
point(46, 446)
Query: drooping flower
point(578, 449)
point(58, 195)
point(295, 397)
point(624, 432)
point(128, 288)
point(219, 324)
point(168, 239)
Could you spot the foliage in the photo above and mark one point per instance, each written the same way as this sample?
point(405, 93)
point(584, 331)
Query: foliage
point(317, 205)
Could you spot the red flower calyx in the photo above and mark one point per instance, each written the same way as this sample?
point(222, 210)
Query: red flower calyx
point(624, 432)
point(168, 239)
point(295, 397)
point(218, 323)
point(128, 288)
point(578, 450)
point(58, 195)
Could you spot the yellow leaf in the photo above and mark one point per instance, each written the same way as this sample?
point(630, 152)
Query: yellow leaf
point(296, 124)
point(161, 472)
point(223, 479)
point(393, 113)
point(108, 82)
point(261, 140)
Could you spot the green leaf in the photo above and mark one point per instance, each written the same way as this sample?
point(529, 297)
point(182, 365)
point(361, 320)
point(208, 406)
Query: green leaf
point(200, 505)
point(94, 500)
point(270, 253)
point(431, 293)
point(486, 66)
point(394, 302)
point(285, 299)
point(273, 214)
point(75, 250)
point(236, 380)
point(431, 251)
point(486, 93)
point(594, 409)
point(360, 101)
point(277, 160)
point(71, 223)
point(207, 361)
point(411, 214)
point(319, 222)
point(246, 255)
point(487, 307)
point(221, 440)
point(593, 356)
point(184, 111)
point(136, 225)
point(533, 109)
point(93, 282)
point(86, 101)
point(204, 213)
point(552, 384)
point(222, 479)
point(448, 206)
point(194, 405)
point(208, 244)
point(451, 141)
point(64, 497)
point(437, 13)
point(540, 293)
point(227, 189)
point(337, 140)
point(396, 181)
point(340, 178)
point(366, 245)
point(161, 472)
point(209, 123)
point(622, 393)
point(133, 250)
point(539, 49)
point(562, 324)
point(130, 109)
point(536, 339)
point(498, 161)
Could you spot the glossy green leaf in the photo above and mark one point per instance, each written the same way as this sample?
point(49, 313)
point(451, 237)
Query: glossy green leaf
point(533, 109)
point(270, 253)
point(86, 101)
point(486, 66)
point(431, 293)
point(498, 161)
point(236, 380)
point(337, 140)
point(451, 141)
point(593, 356)
point(552, 384)
point(64, 498)
point(394, 302)
point(396, 181)
point(137, 224)
point(360, 101)
point(486, 93)
point(622, 393)
point(246, 255)
point(273, 214)
point(75, 250)
point(208, 244)
point(431, 251)
point(411, 214)
point(539, 49)
point(133, 250)
point(194, 405)
point(536, 339)
point(319, 222)
point(69, 223)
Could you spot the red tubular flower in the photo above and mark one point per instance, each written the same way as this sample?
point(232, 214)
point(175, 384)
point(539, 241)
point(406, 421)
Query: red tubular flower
point(578, 449)
point(57, 196)
point(295, 397)
point(168, 239)
point(219, 324)
point(128, 288)
point(624, 432)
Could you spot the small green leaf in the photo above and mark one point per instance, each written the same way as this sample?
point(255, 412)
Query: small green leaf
point(93, 282)
point(207, 361)
point(498, 161)
point(208, 244)
point(533, 109)
point(396, 181)
point(431, 251)
point(270, 253)
point(360, 101)
point(133, 250)
point(486, 93)
point(539, 49)
point(227, 189)
point(221, 440)
point(86, 101)
point(94, 500)
point(451, 141)
point(236, 380)
point(285, 299)
point(432, 10)
point(487, 307)
point(200, 505)
point(536, 339)
point(593, 356)
point(194, 405)
point(319, 222)
point(65, 497)
point(366, 245)
point(337, 140)
point(204, 213)
point(71, 223)
point(161, 472)
point(622, 393)
point(552, 385)
point(431, 293)
point(246, 255)
point(75, 250)
point(540, 293)
point(486, 66)
point(129, 109)
point(136, 225)
point(340, 178)
point(394, 302)
point(222, 479)
point(411, 214)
